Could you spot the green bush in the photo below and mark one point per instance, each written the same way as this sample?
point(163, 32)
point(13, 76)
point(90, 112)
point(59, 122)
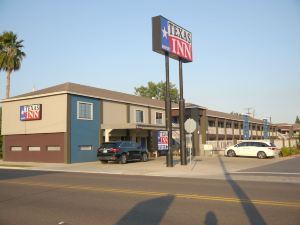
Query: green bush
point(286, 151)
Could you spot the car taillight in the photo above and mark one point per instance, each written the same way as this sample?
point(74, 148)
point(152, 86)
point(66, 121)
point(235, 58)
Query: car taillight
point(272, 148)
point(114, 150)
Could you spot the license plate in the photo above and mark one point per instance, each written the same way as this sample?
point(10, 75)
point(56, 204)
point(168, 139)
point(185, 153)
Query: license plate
point(105, 151)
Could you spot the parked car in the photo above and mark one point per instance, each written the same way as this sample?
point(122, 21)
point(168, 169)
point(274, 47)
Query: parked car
point(121, 151)
point(259, 149)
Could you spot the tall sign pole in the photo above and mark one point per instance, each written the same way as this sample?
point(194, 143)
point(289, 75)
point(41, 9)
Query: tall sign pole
point(181, 118)
point(169, 158)
point(174, 42)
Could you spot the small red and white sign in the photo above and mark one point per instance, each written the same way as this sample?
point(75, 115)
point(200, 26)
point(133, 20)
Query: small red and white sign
point(162, 139)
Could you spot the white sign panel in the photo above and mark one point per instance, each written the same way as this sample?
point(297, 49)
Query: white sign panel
point(190, 126)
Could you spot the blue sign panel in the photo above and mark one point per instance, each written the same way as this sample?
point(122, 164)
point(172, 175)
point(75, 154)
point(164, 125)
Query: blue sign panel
point(162, 140)
point(246, 127)
point(265, 129)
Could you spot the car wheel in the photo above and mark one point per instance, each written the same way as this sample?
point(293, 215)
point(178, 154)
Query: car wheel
point(123, 159)
point(104, 161)
point(231, 153)
point(144, 157)
point(261, 155)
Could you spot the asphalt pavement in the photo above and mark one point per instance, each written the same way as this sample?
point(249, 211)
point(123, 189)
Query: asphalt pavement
point(217, 167)
point(58, 198)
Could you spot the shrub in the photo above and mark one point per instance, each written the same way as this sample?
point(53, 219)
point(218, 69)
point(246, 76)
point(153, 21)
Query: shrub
point(286, 151)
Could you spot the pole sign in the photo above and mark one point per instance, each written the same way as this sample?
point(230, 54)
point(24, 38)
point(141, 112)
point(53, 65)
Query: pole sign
point(31, 112)
point(246, 127)
point(162, 140)
point(168, 37)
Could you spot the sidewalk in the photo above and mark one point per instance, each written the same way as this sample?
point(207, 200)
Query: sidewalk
point(216, 167)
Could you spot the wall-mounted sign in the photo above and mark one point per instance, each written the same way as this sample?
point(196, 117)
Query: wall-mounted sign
point(162, 140)
point(171, 38)
point(265, 129)
point(31, 112)
point(246, 127)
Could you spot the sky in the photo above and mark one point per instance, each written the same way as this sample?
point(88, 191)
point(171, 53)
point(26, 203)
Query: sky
point(246, 53)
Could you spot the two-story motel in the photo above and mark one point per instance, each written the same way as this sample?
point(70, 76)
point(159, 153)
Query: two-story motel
point(66, 123)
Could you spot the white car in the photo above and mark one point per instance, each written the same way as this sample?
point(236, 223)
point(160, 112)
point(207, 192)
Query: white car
point(259, 149)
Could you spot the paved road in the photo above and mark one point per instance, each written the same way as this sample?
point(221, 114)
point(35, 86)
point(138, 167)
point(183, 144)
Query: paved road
point(49, 198)
point(288, 166)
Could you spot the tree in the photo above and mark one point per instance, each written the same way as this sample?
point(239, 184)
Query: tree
point(297, 120)
point(11, 55)
point(157, 91)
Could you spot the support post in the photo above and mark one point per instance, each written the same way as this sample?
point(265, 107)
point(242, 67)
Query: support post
point(169, 158)
point(183, 156)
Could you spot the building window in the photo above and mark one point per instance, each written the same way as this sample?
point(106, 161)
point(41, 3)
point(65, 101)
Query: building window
point(16, 148)
point(175, 119)
point(236, 126)
point(211, 123)
point(158, 118)
point(139, 116)
point(53, 148)
point(85, 147)
point(221, 124)
point(84, 111)
point(228, 125)
point(34, 148)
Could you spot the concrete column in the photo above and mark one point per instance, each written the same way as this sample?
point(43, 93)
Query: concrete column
point(225, 129)
point(232, 126)
point(106, 134)
point(256, 126)
point(240, 130)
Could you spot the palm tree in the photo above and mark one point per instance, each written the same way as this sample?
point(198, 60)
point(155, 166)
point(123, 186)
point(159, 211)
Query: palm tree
point(11, 55)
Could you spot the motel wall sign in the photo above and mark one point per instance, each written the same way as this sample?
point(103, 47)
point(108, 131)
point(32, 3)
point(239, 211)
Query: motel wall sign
point(168, 37)
point(31, 112)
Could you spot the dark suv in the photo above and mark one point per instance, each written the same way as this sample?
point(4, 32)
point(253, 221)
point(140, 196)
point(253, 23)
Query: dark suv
point(121, 151)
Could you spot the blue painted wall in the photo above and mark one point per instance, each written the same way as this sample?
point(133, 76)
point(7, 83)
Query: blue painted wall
point(84, 132)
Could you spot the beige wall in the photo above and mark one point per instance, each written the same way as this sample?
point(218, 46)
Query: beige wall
point(153, 116)
point(114, 113)
point(54, 116)
point(145, 114)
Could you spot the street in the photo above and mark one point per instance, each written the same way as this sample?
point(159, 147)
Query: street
point(49, 198)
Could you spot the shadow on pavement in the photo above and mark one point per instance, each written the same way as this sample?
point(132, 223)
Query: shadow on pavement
point(7, 174)
point(211, 219)
point(150, 212)
point(252, 213)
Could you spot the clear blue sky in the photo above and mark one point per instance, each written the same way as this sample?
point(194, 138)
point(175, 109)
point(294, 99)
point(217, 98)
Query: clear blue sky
point(245, 53)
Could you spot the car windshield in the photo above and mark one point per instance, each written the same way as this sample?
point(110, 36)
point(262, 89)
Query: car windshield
point(110, 145)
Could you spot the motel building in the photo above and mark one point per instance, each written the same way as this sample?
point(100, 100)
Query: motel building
point(67, 123)
point(219, 129)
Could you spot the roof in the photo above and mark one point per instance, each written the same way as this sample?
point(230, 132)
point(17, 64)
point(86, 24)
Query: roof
point(78, 89)
point(188, 106)
point(230, 116)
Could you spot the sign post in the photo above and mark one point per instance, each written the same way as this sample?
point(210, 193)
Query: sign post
point(173, 41)
point(190, 127)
